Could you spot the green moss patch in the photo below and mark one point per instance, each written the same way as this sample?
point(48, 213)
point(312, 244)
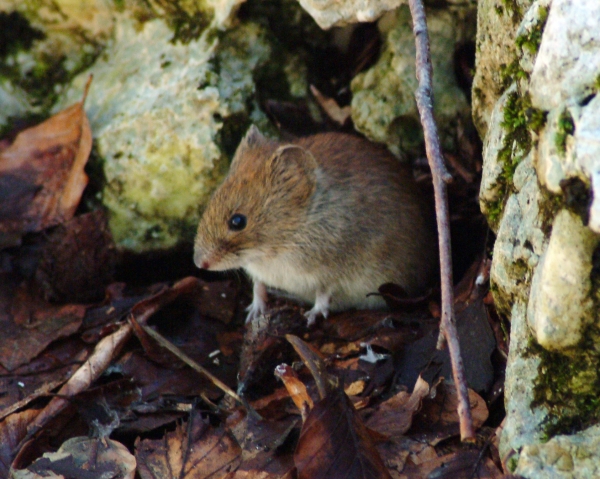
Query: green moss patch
point(566, 127)
point(531, 40)
point(569, 386)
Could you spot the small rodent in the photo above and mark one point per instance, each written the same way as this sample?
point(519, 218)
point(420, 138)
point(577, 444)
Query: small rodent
point(328, 218)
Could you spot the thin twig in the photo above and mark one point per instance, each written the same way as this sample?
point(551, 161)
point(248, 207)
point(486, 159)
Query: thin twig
point(165, 343)
point(424, 97)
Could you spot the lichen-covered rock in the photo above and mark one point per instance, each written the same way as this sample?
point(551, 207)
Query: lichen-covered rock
point(523, 423)
point(330, 13)
point(560, 305)
point(157, 109)
point(541, 154)
point(496, 55)
point(520, 240)
point(53, 40)
point(574, 456)
point(383, 103)
point(568, 64)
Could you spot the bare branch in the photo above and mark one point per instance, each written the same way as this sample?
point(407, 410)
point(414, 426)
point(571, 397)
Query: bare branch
point(424, 97)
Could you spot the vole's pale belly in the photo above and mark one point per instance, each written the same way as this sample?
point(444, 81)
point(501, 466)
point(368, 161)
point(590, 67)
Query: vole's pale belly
point(346, 290)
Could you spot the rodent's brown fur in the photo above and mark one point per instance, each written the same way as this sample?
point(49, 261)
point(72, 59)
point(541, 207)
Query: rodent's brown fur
point(327, 214)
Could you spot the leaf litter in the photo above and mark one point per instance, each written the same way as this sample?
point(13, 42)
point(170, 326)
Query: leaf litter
point(363, 395)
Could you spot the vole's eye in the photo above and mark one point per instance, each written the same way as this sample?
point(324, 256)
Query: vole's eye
point(237, 222)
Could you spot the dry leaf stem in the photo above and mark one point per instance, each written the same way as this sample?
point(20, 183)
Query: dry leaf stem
point(424, 97)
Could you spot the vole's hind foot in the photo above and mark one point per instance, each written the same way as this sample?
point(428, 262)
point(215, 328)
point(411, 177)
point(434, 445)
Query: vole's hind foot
point(321, 307)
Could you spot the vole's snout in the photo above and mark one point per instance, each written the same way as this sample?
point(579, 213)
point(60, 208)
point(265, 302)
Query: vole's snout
point(199, 259)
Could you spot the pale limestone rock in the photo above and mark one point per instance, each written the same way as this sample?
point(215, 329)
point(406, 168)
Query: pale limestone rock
point(520, 240)
point(523, 423)
point(383, 103)
point(329, 13)
point(492, 184)
point(156, 109)
point(586, 151)
point(562, 285)
point(568, 62)
point(496, 50)
point(575, 456)
point(560, 305)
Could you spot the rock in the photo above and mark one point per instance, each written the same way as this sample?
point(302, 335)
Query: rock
point(573, 456)
point(42, 57)
point(157, 110)
point(586, 152)
point(493, 183)
point(560, 304)
point(523, 423)
point(568, 63)
point(520, 241)
point(541, 152)
point(383, 103)
point(496, 52)
point(330, 13)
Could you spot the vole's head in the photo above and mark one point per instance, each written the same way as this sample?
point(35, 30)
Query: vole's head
point(260, 205)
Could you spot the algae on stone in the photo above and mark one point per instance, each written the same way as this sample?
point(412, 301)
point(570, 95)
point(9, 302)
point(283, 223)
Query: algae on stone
point(383, 102)
point(157, 109)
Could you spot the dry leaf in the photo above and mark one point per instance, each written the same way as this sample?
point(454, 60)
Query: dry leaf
point(29, 324)
point(335, 444)
point(295, 387)
point(83, 457)
point(341, 115)
point(394, 416)
point(42, 173)
point(194, 450)
point(438, 417)
point(13, 430)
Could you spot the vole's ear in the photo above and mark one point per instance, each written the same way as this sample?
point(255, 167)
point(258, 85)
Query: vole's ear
point(293, 167)
point(292, 157)
point(254, 140)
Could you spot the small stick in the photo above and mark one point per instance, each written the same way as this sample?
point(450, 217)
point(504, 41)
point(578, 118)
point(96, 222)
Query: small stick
point(165, 343)
point(424, 97)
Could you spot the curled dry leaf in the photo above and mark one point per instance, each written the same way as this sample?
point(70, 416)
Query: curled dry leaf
point(334, 443)
point(83, 457)
point(296, 388)
point(341, 115)
point(394, 416)
point(438, 418)
point(29, 324)
point(194, 450)
point(42, 173)
point(89, 371)
point(13, 430)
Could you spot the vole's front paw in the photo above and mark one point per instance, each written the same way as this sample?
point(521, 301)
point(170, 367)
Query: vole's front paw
point(255, 311)
point(259, 302)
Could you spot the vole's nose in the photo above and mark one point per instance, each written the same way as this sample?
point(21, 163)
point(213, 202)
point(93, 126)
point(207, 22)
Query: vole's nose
point(199, 259)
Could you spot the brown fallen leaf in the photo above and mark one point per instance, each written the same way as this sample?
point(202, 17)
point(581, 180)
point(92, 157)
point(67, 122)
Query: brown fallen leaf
point(438, 416)
point(13, 430)
point(464, 464)
point(296, 388)
point(29, 324)
point(40, 376)
point(83, 457)
point(394, 416)
point(195, 450)
point(42, 173)
point(340, 115)
point(78, 260)
point(334, 443)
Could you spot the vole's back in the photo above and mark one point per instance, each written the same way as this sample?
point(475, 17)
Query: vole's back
point(367, 224)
